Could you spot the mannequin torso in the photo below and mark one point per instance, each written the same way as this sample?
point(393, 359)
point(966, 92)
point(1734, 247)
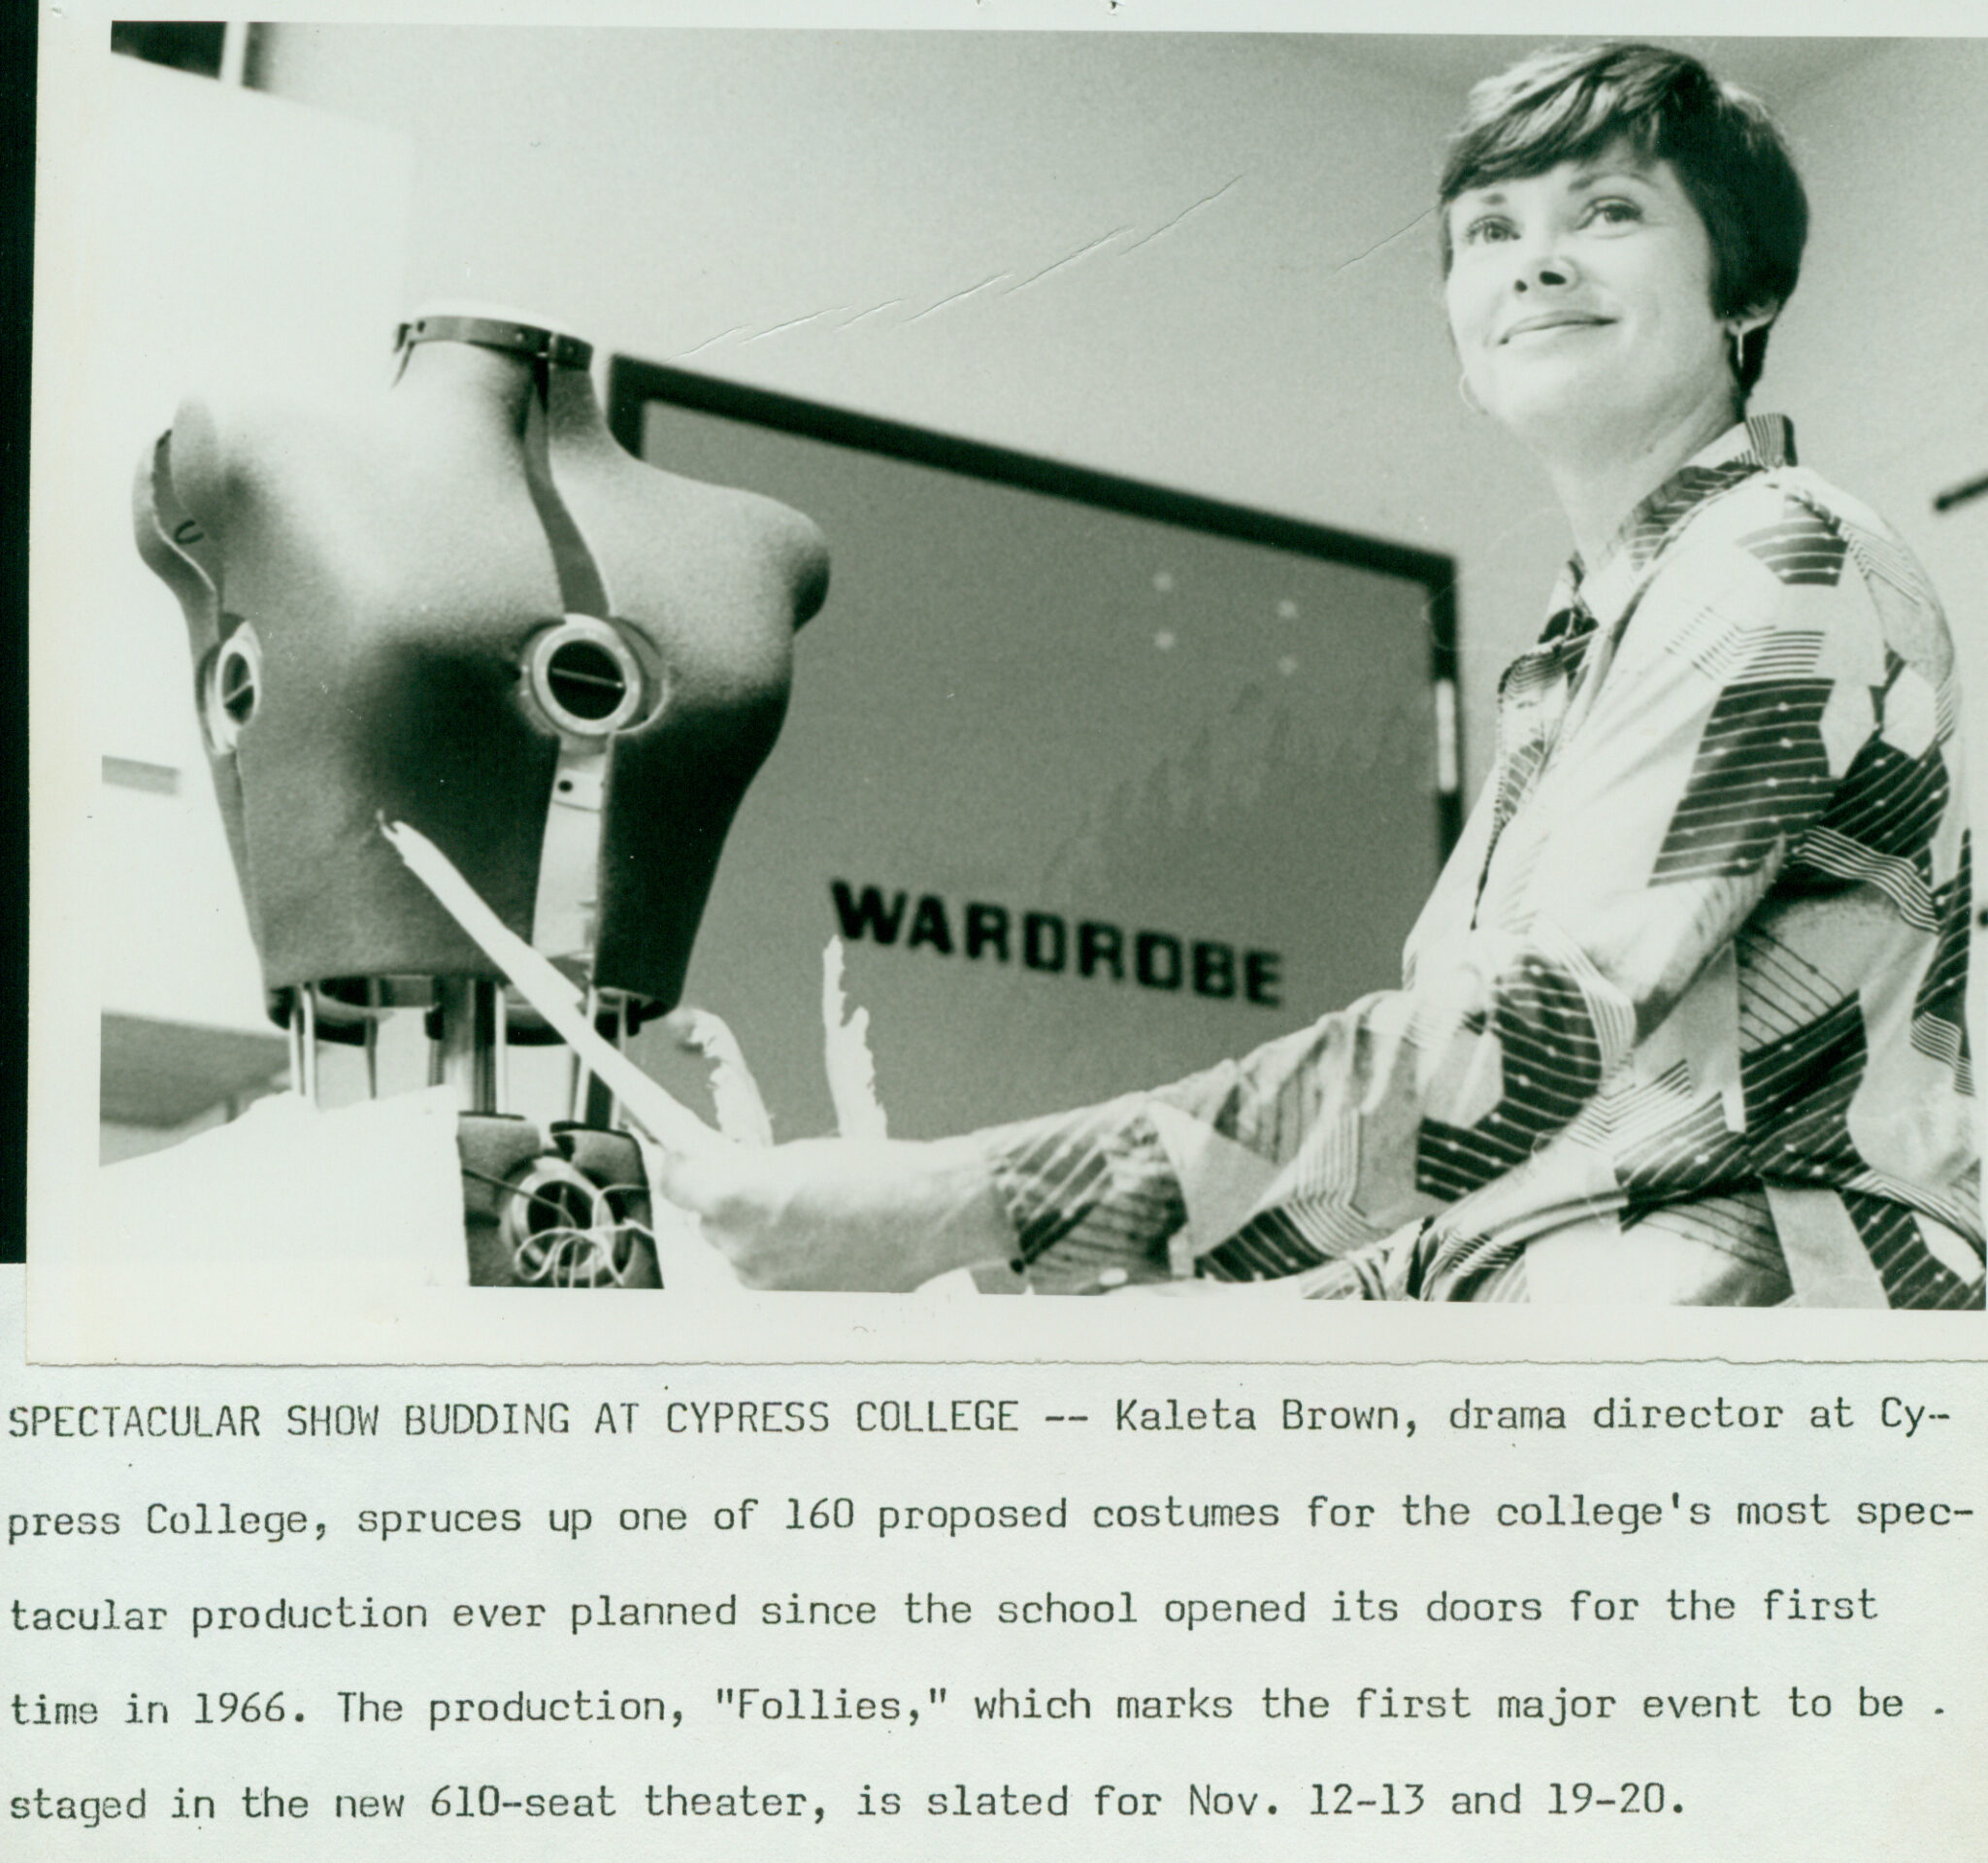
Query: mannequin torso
point(380, 594)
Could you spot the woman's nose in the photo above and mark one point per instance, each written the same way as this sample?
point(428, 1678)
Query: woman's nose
point(1550, 272)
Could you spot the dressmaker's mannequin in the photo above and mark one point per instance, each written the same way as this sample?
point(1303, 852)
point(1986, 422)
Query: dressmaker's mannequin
point(379, 603)
point(462, 605)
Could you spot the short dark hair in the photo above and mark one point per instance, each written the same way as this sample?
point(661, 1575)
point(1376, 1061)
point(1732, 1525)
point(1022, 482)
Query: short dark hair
point(1570, 104)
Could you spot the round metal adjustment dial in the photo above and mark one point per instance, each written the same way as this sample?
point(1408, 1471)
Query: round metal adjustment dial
point(585, 677)
point(232, 687)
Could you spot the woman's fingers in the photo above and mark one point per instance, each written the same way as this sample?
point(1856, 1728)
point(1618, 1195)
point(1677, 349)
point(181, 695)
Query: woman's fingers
point(736, 1098)
point(694, 1180)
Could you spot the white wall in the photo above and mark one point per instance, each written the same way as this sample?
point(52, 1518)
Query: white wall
point(1886, 366)
point(1886, 363)
point(211, 237)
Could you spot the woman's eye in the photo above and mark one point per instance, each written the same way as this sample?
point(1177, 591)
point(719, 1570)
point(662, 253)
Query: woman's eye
point(1615, 213)
point(1489, 228)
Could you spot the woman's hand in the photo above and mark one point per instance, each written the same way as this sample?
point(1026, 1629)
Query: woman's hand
point(852, 1215)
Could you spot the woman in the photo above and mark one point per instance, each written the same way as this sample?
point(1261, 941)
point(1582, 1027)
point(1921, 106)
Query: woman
point(1683, 1020)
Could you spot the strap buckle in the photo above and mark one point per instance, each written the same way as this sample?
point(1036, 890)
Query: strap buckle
point(557, 350)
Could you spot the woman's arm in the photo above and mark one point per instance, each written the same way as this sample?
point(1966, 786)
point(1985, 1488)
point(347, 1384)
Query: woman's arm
point(877, 1215)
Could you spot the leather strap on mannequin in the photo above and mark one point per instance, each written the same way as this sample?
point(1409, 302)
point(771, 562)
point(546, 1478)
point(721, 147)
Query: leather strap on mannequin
point(566, 901)
point(497, 333)
point(582, 588)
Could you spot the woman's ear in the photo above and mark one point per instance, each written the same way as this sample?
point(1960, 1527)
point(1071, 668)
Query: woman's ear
point(1743, 356)
point(1755, 317)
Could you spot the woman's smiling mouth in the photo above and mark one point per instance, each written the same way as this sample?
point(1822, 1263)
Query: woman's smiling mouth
point(1554, 321)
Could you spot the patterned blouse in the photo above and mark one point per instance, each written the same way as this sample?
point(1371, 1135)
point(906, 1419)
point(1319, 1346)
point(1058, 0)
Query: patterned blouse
point(1684, 1018)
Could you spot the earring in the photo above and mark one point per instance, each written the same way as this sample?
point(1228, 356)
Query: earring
point(1736, 351)
point(1464, 394)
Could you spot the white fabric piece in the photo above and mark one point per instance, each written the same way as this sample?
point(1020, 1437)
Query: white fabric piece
point(1220, 1181)
point(376, 1187)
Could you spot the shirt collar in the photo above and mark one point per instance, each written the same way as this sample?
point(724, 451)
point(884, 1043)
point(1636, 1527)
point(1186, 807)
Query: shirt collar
point(1758, 443)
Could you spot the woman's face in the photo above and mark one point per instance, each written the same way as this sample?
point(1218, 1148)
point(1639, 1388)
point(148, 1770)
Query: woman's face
point(1580, 303)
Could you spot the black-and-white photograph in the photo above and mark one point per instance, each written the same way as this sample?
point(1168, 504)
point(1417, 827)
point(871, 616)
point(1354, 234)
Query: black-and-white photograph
point(1218, 671)
point(1013, 925)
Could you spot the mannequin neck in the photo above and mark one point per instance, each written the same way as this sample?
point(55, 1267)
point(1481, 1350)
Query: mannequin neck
point(454, 365)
